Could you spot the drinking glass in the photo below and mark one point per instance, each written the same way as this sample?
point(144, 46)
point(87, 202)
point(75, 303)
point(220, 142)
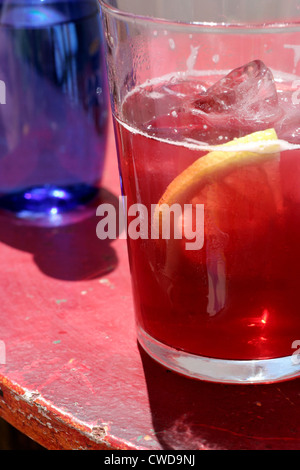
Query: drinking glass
point(53, 109)
point(205, 100)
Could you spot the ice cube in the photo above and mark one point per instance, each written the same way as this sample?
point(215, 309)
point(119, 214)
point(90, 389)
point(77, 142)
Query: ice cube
point(183, 124)
point(160, 98)
point(288, 127)
point(246, 98)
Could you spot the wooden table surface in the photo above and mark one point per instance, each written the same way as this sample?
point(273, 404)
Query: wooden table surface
point(74, 376)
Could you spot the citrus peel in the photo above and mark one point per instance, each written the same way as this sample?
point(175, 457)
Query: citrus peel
point(207, 167)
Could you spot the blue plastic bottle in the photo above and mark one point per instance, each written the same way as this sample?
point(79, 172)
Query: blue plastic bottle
point(53, 108)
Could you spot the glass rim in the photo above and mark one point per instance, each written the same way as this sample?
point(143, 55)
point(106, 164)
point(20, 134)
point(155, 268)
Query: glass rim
point(231, 27)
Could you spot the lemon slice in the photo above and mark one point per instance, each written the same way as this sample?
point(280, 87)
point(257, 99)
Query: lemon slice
point(208, 167)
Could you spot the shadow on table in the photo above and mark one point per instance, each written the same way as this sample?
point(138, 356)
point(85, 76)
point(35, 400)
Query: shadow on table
point(69, 252)
point(188, 414)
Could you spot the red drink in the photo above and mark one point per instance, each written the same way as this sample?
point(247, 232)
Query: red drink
point(237, 296)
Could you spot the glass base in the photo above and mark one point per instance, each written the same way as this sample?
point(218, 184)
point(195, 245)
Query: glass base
point(220, 370)
point(50, 205)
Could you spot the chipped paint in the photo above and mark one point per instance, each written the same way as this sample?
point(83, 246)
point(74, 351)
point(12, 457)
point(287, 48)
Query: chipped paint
point(107, 283)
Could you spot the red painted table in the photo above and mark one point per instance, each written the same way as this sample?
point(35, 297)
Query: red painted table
point(74, 376)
